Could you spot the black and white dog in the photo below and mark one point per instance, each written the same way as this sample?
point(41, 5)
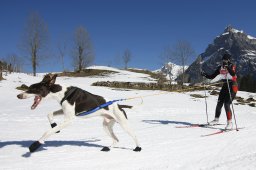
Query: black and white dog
point(74, 100)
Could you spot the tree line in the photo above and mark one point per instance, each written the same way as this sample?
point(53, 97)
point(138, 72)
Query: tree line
point(247, 83)
point(11, 64)
point(34, 44)
point(35, 41)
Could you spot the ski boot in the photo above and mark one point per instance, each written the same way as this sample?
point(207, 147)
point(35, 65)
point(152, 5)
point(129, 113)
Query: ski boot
point(214, 122)
point(229, 125)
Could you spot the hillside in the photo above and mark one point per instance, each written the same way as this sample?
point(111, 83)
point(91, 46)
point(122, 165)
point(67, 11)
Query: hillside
point(154, 120)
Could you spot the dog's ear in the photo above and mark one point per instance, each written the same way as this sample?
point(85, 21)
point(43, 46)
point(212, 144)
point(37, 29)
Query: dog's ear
point(53, 79)
point(49, 79)
point(46, 78)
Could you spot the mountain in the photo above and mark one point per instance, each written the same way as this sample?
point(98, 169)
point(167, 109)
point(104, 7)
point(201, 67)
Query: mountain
point(241, 46)
point(171, 70)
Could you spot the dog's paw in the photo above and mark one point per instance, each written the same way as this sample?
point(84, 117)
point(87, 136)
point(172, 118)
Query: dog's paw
point(34, 146)
point(137, 149)
point(105, 149)
point(53, 125)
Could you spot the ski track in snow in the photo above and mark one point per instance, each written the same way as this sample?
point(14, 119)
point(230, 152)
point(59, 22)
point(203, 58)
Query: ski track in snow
point(154, 121)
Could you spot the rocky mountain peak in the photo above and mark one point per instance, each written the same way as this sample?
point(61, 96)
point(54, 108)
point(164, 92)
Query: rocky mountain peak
point(241, 46)
point(230, 29)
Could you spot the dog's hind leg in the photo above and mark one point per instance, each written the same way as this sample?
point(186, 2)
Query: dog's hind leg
point(121, 119)
point(50, 117)
point(128, 129)
point(108, 127)
point(34, 146)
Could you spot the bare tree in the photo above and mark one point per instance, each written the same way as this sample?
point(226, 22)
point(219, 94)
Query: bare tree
point(62, 47)
point(35, 39)
point(182, 51)
point(166, 59)
point(1, 71)
point(15, 63)
point(127, 57)
point(179, 72)
point(166, 55)
point(83, 54)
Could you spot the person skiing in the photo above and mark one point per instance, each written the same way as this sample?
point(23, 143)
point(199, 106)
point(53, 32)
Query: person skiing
point(227, 70)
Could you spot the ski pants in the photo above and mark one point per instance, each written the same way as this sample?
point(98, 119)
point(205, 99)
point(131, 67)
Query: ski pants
point(224, 99)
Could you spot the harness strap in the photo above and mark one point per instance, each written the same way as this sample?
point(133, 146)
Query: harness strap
point(98, 108)
point(70, 91)
point(84, 113)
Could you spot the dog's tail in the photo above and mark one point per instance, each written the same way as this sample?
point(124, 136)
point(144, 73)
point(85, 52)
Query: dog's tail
point(124, 106)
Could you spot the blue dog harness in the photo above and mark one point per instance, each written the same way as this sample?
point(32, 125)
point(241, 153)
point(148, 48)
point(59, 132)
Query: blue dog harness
point(98, 108)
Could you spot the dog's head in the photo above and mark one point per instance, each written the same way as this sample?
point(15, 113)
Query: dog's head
point(39, 90)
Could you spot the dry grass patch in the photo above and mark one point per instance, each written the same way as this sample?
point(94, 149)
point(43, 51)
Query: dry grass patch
point(87, 73)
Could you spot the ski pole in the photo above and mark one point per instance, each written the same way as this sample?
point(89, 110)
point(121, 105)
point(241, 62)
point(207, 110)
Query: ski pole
point(205, 100)
point(231, 103)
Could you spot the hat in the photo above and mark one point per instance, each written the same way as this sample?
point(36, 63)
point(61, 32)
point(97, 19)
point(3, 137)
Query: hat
point(226, 56)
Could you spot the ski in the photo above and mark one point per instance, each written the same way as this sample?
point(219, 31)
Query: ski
point(220, 132)
point(215, 133)
point(197, 125)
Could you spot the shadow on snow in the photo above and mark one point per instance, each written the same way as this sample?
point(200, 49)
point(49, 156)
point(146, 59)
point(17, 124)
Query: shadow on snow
point(184, 124)
point(165, 122)
point(27, 143)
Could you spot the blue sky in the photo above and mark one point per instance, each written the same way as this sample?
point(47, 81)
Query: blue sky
point(145, 27)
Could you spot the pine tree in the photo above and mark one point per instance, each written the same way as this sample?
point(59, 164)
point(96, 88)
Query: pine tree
point(248, 83)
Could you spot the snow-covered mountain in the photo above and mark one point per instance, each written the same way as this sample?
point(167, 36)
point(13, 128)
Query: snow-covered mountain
point(241, 46)
point(171, 70)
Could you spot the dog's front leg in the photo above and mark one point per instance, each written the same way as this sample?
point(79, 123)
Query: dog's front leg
point(34, 146)
point(50, 117)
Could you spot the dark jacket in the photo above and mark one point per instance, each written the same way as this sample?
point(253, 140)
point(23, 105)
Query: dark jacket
point(229, 72)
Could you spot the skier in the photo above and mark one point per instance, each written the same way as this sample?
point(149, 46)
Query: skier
point(228, 74)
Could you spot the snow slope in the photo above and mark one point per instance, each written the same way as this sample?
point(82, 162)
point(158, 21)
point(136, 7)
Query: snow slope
point(164, 146)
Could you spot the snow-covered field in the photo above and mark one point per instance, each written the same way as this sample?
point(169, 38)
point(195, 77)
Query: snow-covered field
point(163, 145)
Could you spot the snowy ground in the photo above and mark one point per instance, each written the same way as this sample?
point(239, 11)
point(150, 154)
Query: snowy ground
point(155, 121)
